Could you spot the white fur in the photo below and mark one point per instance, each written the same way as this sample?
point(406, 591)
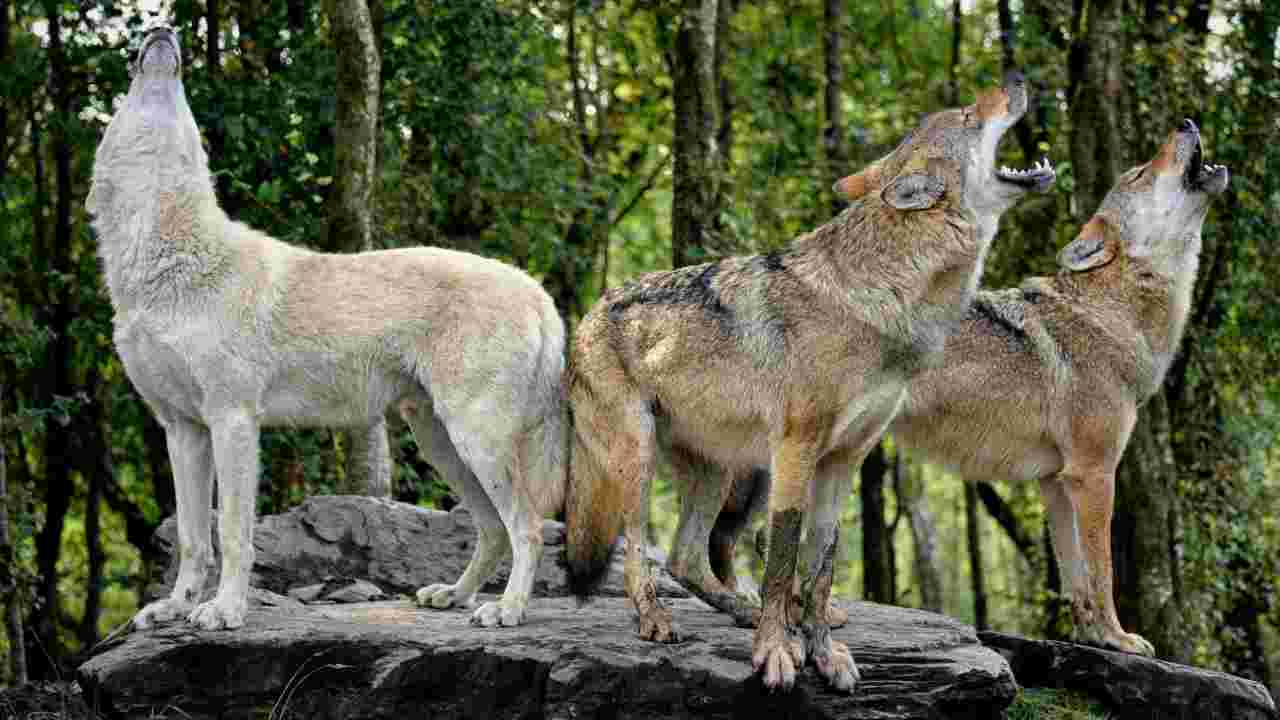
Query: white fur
point(223, 330)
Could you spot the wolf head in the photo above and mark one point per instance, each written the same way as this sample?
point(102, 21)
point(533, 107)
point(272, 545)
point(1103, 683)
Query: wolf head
point(1154, 212)
point(152, 142)
point(950, 158)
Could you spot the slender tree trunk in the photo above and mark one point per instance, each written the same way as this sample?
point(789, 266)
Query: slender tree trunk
point(350, 223)
point(1006, 519)
point(953, 70)
point(924, 533)
point(694, 205)
point(97, 559)
point(833, 142)
point(976, 573)
point(1008, 62)
point(57, 380)
point(876, 582)
point(9, 588)
point(1096, 71)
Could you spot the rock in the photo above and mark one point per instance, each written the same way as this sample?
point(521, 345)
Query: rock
point(358, 591)
point(392, 660)
point(1134, 686)
point(396, 546)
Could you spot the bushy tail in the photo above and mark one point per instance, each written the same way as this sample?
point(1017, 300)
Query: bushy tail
point(594, 507)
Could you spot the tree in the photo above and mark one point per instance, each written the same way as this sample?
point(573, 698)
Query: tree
point(350, 222)
point(695, 196)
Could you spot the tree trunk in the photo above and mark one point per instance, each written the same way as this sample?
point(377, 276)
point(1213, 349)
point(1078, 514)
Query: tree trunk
point(9, 590)
point(1096, 73)
point(1008, 62)
point(350, 222)
point(953, 69)
point(215, 128)
point(97, 559)
point(876, 545)
point(694, 204)
point(924, 533)
point(976, 574)
point(1006, 519)
point(833, 142)
point(57, 380)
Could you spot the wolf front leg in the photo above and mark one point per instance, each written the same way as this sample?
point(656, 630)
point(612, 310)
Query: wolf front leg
point(1079, 503)
point(191, 456)
point(831, 658)
point(235, 452)
point(777, 652)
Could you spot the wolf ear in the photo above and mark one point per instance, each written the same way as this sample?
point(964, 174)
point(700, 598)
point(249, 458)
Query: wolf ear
point(855, 186)
point(1090, 249)
point(914, 191)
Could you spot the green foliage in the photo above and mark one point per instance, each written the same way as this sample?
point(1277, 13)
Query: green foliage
point(1046, 704)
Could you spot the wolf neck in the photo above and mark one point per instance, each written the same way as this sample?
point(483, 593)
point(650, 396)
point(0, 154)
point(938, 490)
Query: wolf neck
point(161, 236)
point(1156, 304)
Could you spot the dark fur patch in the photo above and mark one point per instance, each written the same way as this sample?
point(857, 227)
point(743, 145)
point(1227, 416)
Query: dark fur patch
point(982, 309)
point(784, 547)
point(685, 286)
point(770, 262)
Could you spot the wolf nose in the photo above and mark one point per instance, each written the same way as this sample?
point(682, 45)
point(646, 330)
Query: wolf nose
point(1187, 126)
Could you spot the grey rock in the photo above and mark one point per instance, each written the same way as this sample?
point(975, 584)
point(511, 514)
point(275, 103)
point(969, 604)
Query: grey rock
point(368, 661)
point(396, 546)
point(358, 591)
point(1133, 686)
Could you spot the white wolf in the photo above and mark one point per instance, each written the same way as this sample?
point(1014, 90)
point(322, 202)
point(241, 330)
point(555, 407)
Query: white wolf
point(223, 330)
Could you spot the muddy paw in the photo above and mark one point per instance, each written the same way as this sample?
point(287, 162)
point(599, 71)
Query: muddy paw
point(442, 597)
point(494, 614)
point(657, 626)
point(835, 664)
point(221, 613)
point(837, 616)
point(776, 658)
point(160, 612)
point(1130, 643)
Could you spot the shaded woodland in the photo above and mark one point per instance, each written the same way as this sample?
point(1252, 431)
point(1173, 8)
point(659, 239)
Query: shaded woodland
point(587, 141)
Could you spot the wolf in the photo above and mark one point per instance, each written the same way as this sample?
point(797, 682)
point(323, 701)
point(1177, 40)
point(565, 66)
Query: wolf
point(223, 330)
point(794, 361)
point(1043, 382)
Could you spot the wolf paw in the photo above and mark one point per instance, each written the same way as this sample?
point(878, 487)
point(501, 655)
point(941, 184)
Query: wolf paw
point(494, 614)
point(777, 657)
point(160, 612)
point(443, 597)
point(658, 626)
point(218, 614)
point(837, 616)
point(1130, 643)
point(835, 664)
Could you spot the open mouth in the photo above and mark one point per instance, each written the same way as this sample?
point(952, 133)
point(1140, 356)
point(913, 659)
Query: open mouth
point(1200, 175)
point(1038, 177)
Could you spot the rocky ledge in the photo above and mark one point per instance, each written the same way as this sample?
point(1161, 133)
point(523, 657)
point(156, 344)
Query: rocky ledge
point(1132, 686)
point(393, 660)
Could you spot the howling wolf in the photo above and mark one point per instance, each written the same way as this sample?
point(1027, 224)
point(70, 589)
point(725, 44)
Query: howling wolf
point(223, 330)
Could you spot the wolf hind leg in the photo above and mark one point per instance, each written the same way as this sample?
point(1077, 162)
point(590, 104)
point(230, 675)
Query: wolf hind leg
point(492, 545)
point(704, 490)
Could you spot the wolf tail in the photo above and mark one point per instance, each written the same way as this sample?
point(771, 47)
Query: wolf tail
point(594, 506)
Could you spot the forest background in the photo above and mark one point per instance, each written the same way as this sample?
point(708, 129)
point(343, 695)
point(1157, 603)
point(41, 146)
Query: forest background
point(588, 141)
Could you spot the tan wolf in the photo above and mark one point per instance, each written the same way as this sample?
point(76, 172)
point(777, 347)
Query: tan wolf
point(1043, 382)
point(223, 330)
point(795, 360)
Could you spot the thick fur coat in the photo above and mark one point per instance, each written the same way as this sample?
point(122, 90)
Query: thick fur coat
point(223, 330)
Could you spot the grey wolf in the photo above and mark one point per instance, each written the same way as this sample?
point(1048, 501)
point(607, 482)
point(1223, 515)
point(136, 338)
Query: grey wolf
point(223, 330)
point(1043, 382)
point(794, 361)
